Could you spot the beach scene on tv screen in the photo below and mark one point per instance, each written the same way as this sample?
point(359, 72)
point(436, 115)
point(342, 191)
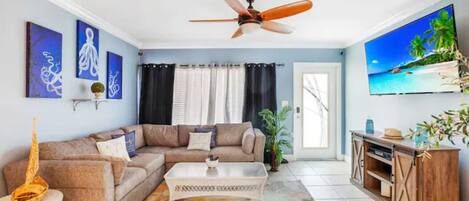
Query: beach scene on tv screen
point(416, 58)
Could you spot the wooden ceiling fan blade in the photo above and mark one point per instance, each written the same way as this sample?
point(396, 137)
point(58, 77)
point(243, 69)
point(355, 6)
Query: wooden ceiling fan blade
point(238, 33)
point(287, 10)
point(238, 7)
point(216, 20)
point(277, 27)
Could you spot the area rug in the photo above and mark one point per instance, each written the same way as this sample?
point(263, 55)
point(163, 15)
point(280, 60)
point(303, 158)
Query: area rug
point(274, 191)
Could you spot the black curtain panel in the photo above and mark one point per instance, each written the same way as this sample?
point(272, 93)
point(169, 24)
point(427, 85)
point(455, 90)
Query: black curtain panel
point(260, 92)
point(156, 96)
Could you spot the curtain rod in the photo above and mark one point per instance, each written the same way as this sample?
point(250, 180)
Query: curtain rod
point(204, 65)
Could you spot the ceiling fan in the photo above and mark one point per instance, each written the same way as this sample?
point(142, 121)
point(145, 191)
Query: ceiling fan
point(250, 20)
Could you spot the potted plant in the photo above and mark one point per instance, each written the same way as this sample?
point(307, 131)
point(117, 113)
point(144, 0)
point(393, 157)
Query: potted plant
point(450, 124)
point(97, 89)
point(276, 134)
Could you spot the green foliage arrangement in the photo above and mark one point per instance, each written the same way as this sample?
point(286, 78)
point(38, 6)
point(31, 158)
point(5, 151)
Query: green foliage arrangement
point(276, 134)
point(450, 124)
point(97, 87)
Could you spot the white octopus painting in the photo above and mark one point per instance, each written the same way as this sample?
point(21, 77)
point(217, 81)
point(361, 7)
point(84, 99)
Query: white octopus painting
point(87, 51)
point(44, 62)
point(114, 76)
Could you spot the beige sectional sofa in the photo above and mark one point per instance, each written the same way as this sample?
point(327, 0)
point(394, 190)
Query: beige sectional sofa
point(159, 148)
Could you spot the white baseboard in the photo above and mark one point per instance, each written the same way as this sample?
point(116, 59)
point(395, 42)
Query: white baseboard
point(289, 157)
point(347, 159)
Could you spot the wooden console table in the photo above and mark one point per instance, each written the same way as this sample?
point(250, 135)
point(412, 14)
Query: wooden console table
point(410, 178)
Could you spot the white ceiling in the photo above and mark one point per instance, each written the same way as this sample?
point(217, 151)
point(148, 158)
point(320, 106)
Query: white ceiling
point(164, 23)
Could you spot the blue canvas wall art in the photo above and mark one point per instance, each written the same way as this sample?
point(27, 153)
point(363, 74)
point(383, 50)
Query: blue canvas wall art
point(87, 51)
point(44, 62)
point(114, 76)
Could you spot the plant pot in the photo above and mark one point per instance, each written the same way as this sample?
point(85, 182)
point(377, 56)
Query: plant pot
point(98, 95)
point(274, 164)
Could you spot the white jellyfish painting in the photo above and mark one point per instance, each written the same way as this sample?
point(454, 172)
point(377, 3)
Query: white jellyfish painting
point(88, 51)
point(114, 76)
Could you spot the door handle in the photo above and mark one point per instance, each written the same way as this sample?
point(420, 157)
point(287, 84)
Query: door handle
point(298, 110)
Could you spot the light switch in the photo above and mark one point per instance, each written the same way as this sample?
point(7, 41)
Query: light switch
point(284, 103)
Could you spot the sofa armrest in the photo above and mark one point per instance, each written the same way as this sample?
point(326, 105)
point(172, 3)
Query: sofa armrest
point(77, 179)
point(259, 145)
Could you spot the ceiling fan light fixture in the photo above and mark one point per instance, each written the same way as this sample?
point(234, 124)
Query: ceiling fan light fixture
point(250, 27)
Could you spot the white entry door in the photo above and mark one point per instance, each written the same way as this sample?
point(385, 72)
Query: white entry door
point(316, 114)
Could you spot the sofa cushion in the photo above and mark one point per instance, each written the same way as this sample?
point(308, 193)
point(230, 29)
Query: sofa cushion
point(183, 133)
point(232, 154)
point(147, 161)
point(231, 134)
point(139, 139)
point(248, 141)
point(199, 141)
point(58, 150)
point(119, 165)
point(181, 154)
point(106, 135)
point(160, 135)
point(115, 147)
point(129, 142)
point(133, 176)
point(213, 131)
point(153, 149)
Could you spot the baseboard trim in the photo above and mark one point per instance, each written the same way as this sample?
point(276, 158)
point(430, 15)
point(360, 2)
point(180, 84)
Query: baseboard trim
point(289, 157)
point(347, 159)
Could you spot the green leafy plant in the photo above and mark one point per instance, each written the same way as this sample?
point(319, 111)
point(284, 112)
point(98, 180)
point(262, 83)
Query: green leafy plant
point(276, 134)
point(450, 124)
point(447, 126)
point(97, 87)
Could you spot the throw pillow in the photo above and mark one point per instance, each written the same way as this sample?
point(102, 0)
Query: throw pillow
point(115, 147)
point(129, 142)
point(213, 141)
point(118, 164)
point(199, 141)
point(248, 141)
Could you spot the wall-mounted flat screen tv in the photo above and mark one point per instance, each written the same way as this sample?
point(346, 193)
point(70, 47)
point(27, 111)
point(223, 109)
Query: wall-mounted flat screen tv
point(416, 58)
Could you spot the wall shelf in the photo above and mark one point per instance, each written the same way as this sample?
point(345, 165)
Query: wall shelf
point(77, 101)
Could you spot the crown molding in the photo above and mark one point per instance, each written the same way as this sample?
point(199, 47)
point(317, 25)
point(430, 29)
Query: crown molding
point(236, 44)
point(88, 16)
point(392, 21)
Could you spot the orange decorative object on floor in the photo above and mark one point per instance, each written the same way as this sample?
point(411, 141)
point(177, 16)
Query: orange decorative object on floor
point(34, 187)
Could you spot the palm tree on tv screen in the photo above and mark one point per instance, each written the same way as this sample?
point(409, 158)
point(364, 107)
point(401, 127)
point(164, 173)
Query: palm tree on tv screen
point(442, 32)
point(418, 47)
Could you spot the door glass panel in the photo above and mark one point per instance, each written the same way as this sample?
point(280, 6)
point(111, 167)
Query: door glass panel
point(316, 110)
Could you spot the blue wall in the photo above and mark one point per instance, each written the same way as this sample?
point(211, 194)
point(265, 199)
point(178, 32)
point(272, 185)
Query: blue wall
point(284, 56)
point(403, 112)
point(56, 118)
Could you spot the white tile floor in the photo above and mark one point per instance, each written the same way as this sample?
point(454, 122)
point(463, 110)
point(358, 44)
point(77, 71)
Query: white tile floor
point(325, 180)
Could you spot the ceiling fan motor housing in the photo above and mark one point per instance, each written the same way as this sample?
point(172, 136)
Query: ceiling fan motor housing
point(255, 18)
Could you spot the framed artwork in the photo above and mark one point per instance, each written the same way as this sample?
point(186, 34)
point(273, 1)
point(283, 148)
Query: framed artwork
point(87, 51)
point(114, 76)
point(43, 62)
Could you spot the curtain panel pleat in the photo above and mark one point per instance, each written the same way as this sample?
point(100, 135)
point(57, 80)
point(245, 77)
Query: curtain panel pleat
point(156, 96)
point(260, 92)
point(208, 95)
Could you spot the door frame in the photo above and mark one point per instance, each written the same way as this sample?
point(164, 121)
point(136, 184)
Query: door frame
point(338, 116)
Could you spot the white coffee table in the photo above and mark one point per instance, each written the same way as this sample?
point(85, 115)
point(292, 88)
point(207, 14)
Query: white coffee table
point(244, 180)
